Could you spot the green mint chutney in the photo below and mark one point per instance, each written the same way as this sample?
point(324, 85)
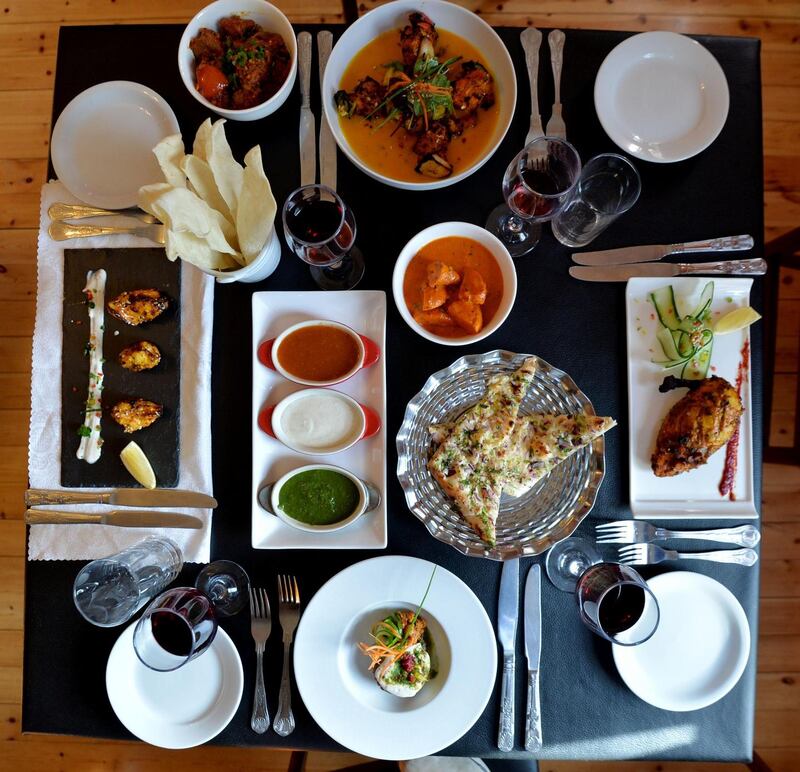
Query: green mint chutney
point(318, 497)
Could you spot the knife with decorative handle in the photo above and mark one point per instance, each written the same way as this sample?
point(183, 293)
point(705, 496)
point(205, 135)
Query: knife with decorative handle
point(729, 267)
point(61, 231)
point(755, 267)
point(327, 144)
point(533, 652)
point(723, 244)
point(126, 497)
point(308, 152)
point(505, 735)
point(125, 518)
point(533, 716)
point(507, 613)
point(60, 211)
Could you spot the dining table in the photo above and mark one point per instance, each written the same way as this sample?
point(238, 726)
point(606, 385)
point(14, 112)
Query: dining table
point(578, 327)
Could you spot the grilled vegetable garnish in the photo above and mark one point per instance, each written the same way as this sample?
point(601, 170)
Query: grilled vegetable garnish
point(143, 355)
point(136, 416)
point(138, 306)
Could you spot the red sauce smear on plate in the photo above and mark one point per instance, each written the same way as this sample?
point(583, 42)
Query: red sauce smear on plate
point(732, 451)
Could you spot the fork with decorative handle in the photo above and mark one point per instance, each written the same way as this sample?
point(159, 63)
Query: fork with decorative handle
point(531, 42)
point(556, 126)
point(647, 554)
point(60, 211)
point(260, 628)
point(289, 616)
point(61, 231)
point(632, 531)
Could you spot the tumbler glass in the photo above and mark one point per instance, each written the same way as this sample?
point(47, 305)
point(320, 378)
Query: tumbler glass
point(609, 186)
point(109, 591)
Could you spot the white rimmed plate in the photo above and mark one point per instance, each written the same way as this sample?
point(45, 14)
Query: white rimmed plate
point(179, 709)
point(102, 146)
point(365, 312)
point(661, 96)
point(342, 695)
point(692, 494)
point(699, 651)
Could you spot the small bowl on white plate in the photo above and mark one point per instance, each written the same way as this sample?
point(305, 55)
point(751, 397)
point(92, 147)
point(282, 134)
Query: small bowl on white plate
point(661, 96)
point(468, 231)
point(102, 145)
point(269, 496)
point(319, 422)
point(262, 13)
point(446, 16)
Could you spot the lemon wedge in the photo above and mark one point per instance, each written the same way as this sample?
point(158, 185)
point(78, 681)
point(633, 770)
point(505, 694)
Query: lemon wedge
point(737, 319)
point(135, 461)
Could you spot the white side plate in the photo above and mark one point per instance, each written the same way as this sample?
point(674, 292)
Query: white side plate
point(179, 709)
point(103, 142)
point(699, 651)
point(365, 312)
point(694, 493)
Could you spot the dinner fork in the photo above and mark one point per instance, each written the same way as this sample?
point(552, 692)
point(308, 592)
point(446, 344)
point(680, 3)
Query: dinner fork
point(61, 211)
point(260, 628)
point(531, 42)
point(632, 531)
point(289, 616)
point(61, 231)
point(647, 554)
point(556, 126)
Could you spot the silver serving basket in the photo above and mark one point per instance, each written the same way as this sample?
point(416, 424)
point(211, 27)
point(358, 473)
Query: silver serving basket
point(530, 524)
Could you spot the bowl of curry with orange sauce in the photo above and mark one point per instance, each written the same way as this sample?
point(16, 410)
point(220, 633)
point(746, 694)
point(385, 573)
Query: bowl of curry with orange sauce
point(454, 283)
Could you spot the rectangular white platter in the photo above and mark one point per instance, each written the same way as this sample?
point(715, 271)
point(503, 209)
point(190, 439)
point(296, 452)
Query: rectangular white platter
point(365, 312)
point(693, 494)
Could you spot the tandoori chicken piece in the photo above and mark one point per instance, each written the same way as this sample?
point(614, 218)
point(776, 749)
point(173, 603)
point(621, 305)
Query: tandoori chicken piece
point(434, 140)
point(436, 317)
point(473, 287)
point(473, 89)
point(697, 426)
point(143, 355)
point(441, 275)
point(466, 315)
point(433, 297)
point(136, 416)
point(138, 306)
point(418, 38)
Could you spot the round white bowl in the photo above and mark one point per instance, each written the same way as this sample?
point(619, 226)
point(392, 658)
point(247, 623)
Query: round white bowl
point(261, 12)
point(469, 231)
point(452, 18)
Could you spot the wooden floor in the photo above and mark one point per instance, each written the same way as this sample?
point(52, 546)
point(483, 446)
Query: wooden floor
point(28, 38)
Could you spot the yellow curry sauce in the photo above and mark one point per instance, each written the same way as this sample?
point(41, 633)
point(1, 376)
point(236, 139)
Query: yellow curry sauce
point(391, 153)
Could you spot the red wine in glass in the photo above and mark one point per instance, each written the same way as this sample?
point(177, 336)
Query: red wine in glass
point(621, 608)
point(538, 191)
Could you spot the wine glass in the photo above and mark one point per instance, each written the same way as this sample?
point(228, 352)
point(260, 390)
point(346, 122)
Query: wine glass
point(321, 230)
point(536, 185)
point(568, 559)
point(181, 623)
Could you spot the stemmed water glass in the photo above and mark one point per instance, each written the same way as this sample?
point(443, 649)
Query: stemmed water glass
point(181, 623)
point(321, 230)
point(536, 185)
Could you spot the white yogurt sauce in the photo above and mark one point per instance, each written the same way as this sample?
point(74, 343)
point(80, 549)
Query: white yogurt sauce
point(321, 422)
point(91, 441)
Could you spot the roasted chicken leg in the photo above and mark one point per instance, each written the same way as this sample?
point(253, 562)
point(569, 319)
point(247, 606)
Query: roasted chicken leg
point(697, 426)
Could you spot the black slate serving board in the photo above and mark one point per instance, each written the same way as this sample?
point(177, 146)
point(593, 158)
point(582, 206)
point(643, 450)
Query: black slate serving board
point(127, 269)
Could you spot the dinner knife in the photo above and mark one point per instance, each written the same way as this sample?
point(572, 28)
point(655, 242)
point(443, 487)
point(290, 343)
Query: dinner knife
point(128, 518)
point(327, 144)
point(533, 652)
point(754, 267)
point(507, 607)
point(650, 252)
point(308, 156)
point(122, 497)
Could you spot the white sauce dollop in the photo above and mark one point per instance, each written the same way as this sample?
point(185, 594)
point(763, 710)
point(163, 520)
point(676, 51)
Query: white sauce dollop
point(91, 441)
point(321, 423)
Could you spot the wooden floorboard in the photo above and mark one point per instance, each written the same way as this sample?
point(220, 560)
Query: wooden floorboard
point(28, 44)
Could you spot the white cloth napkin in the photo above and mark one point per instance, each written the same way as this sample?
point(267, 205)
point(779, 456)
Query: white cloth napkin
point(87, 542)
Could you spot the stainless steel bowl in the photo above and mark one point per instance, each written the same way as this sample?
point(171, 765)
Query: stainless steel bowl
point(530, 524)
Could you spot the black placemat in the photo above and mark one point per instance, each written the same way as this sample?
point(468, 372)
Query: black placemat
point(579, 327)
point(126, 270)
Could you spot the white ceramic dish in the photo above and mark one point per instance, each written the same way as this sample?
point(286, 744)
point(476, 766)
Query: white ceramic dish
point(699, 651)
point(181, 708)
point(102, 145)
point(341, 694)
point(661, 96)
point(469, 231)
point(365, 312)
point(693, 494)
point(446, 16)
point(349, 422)
point(369, 353)
point(261, 12)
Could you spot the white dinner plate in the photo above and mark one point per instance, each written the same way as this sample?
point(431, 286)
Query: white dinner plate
point(661, 96)
point(333, 676)
point(181, 708)
point(102, 146)
point(699, 651)
point(692, 494)
point(365, 312)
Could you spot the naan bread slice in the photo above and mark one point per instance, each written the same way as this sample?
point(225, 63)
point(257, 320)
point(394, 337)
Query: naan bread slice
point(470, 463)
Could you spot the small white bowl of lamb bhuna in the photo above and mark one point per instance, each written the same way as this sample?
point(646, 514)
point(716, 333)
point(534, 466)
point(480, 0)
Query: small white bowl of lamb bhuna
point(239, 58)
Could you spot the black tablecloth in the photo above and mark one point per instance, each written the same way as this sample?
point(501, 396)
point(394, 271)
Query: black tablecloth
point(579, 327)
